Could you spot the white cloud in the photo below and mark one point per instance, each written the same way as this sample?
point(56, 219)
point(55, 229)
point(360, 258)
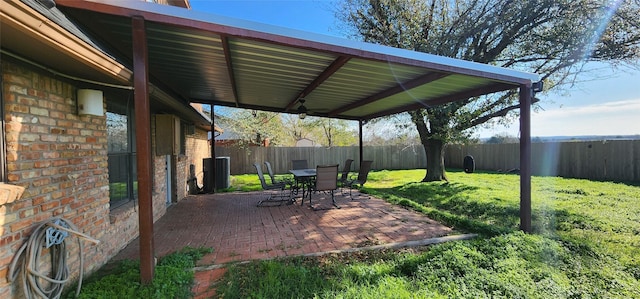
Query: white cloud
point(611, 118)
point(609, 108)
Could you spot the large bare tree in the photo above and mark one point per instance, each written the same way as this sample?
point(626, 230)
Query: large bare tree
point(553, 38)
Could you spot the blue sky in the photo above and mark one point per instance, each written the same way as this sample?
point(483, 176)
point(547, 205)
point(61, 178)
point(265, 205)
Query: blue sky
point(608, 104)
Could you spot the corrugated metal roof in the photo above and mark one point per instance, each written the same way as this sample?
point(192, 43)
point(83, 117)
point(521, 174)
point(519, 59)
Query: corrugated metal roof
point(222, 61)
point(23, 43)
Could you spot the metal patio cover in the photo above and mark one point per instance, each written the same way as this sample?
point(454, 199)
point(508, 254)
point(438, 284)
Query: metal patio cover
point(211, 59)
point(217, 60)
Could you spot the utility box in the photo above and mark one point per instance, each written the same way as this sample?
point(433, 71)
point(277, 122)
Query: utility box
point(207, 175)
point(222, 173)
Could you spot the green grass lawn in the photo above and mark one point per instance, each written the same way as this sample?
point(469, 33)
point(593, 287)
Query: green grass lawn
point(586, 244)
point(173, 278)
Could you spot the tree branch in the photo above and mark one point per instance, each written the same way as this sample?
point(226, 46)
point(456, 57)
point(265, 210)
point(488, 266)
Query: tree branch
point(485, 118)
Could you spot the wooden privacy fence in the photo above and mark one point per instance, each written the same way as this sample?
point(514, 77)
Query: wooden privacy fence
point(384, 157)
point(617, 160)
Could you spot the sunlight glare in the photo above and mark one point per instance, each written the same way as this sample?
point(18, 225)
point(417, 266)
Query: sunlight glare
point(607, 14)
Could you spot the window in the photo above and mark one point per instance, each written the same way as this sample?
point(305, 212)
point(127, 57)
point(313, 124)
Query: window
point(123, 185)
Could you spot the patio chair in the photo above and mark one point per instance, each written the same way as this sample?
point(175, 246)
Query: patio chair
point(280, 197)
point(297, 184)
point(344, 176)
point(326, 181)
point(274, 179)
point(363, 173)
point(299, 164)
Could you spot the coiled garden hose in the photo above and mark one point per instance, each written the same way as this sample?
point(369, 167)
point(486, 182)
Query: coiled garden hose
point(35, 283)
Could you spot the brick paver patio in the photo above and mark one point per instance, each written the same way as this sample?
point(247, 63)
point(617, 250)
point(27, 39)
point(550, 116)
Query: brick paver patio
point(237, 230)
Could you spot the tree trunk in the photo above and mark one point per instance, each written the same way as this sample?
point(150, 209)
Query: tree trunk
point(433, 146)
point(435, 160)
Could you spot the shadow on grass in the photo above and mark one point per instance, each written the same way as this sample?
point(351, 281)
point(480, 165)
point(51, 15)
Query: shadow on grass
point(453, 204)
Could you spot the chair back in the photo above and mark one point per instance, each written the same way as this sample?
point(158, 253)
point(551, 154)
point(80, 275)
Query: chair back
point(299, 164)
point(260, 175)
point(326, 177)
point(270, 172)
point(345, 171)
point(363, 173)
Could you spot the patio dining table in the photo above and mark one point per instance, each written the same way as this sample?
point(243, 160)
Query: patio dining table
point(304, 176)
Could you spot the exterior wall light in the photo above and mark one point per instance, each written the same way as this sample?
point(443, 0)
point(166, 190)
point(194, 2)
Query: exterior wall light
point(90, 102)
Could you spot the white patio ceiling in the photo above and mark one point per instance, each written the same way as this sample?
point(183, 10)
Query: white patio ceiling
point(217, 60)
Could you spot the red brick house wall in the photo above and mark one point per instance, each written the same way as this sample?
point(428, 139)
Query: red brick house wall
point(60, 159)
point(198, 148)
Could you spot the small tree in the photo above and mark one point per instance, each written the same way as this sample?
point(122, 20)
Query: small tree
point(332, 132)
point(502, 138)
point(252, 127)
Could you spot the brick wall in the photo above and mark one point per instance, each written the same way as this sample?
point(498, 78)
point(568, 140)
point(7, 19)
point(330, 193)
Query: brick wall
point(159, 188)
point(197, 149)
point(60, 159)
